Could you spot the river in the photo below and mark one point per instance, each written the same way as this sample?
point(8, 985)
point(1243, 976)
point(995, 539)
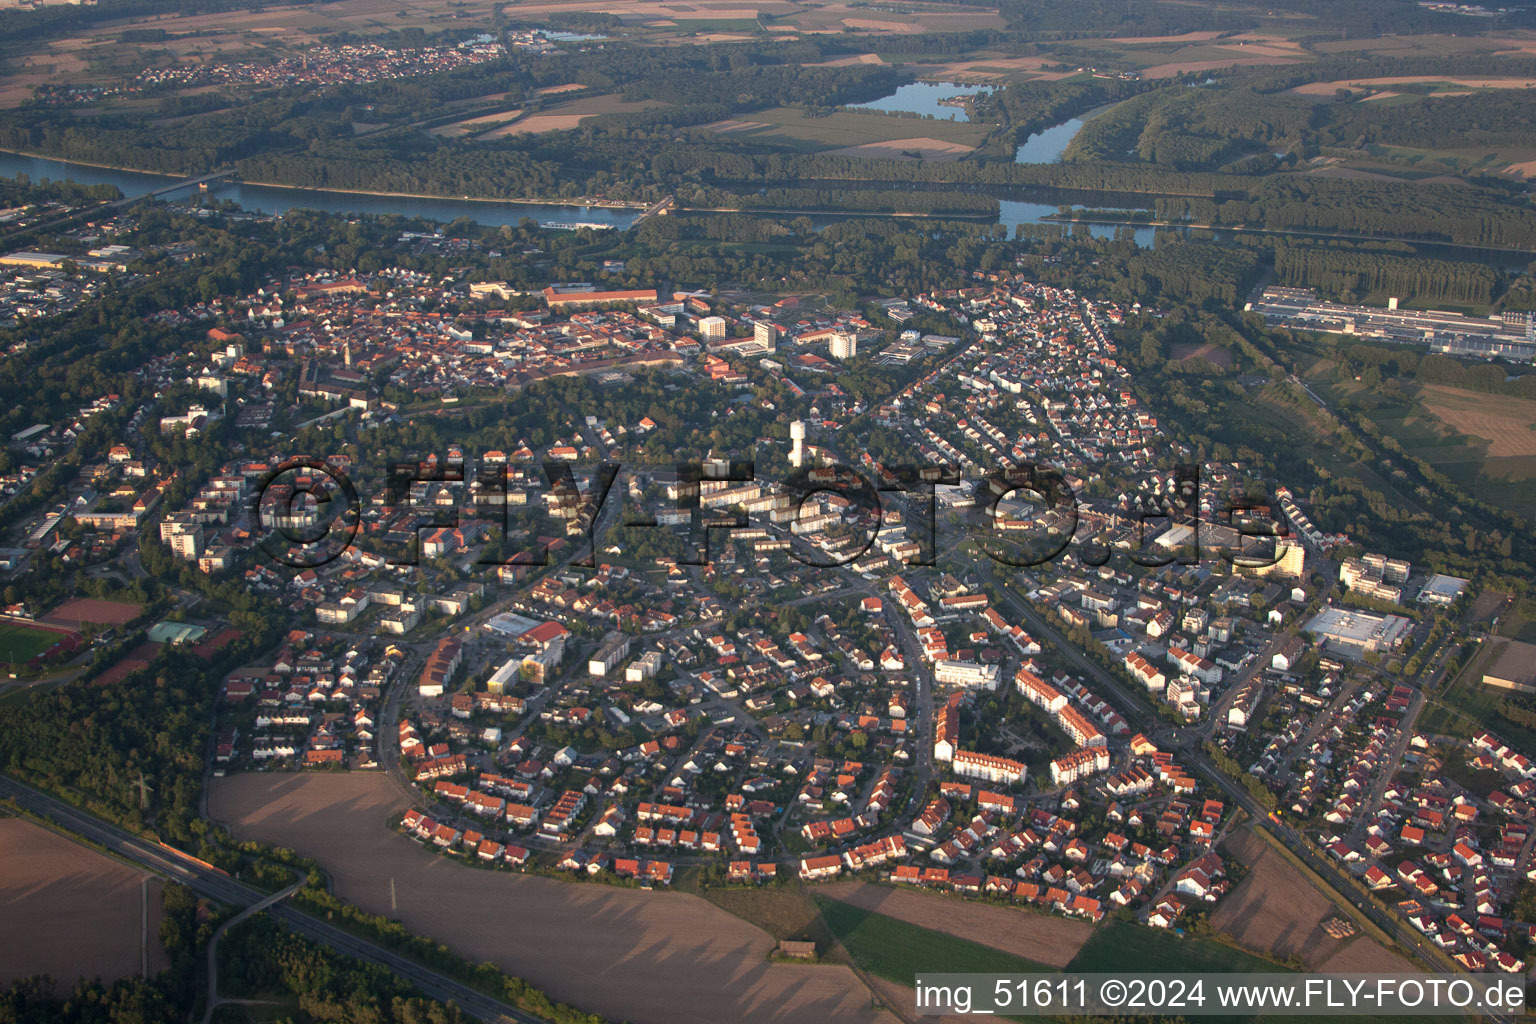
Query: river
point(277, 200)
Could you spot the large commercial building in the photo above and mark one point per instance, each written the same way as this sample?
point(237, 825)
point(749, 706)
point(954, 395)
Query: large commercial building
point(574, 296)
point(1507, 337)
point(1357, 631)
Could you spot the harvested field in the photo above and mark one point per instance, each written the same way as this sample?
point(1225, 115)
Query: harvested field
point(847, 130)
point(1217, 355)
point(69, 912)
point(474, 124)
point(880, 25)
point(904, 998)
point(80, 610)
point(1364, 955)
point(1052, 941)
point(1278, 911)
point(623, 953)
point(735, 126)
point(906, 149)
point(1329, 88)
point(1173, 68)
point(566, 116)
point(1508, 424)
point(991, 68)
point(843, 62)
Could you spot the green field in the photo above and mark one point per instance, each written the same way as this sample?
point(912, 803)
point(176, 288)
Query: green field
point(20, 644)
point(1505, 480)
point(898, 951)
point(1467, 706)
point(1118, 945)
point(794, 127)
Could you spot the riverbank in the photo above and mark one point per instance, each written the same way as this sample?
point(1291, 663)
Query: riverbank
point(1180, 225)
point(593, 204)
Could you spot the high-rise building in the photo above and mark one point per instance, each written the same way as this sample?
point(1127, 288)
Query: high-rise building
point(766, 335)
point(797, 443)
point(712, 328)
point(844, 345)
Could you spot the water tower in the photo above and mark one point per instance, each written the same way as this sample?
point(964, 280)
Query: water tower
point(797, 446)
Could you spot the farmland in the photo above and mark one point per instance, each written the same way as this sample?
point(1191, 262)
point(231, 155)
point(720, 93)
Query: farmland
point(564, 116)
point(1485, 443)
point(1278, 911)
point(623, 953)
point(69, 912)
point(848, 129)
point(1118, 943)
point(1039, 938)
point(899, 951)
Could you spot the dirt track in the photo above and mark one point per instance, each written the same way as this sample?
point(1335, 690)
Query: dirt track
point(629, 955)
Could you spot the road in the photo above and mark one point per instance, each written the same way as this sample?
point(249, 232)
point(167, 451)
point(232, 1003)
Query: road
point(209, 881)
point(213, 945)
point(1293, 840)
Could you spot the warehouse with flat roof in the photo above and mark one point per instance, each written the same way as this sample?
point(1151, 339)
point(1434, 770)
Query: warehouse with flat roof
point(1513, 667)
point(1351, 630)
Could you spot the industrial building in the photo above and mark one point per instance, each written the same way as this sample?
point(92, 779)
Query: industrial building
point(1511, 337)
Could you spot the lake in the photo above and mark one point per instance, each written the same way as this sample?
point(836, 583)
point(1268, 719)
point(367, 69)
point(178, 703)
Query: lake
point(1047, 145)
point(924, 98)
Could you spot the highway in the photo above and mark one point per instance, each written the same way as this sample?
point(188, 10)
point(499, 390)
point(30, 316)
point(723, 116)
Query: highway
point(209, 881)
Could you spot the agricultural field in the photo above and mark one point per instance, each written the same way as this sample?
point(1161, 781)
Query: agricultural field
point(1432, 85)
point(1118, 943)
point(69, 912)
point(662, 957)
point(897, 950)
point(568, 115)
point(1485, 443)
point(1039, 938)
point(784, 911)
point(473, 125)
point(1508, 424)
point(874, 134)
point(1278, 911)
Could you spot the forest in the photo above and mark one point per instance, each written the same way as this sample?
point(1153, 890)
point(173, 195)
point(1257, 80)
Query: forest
point(1352, 275)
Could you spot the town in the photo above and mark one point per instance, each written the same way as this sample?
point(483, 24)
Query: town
point(561, 682)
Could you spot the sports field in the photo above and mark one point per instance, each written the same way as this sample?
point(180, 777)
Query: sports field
point(81, 610)
point(19, 644)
